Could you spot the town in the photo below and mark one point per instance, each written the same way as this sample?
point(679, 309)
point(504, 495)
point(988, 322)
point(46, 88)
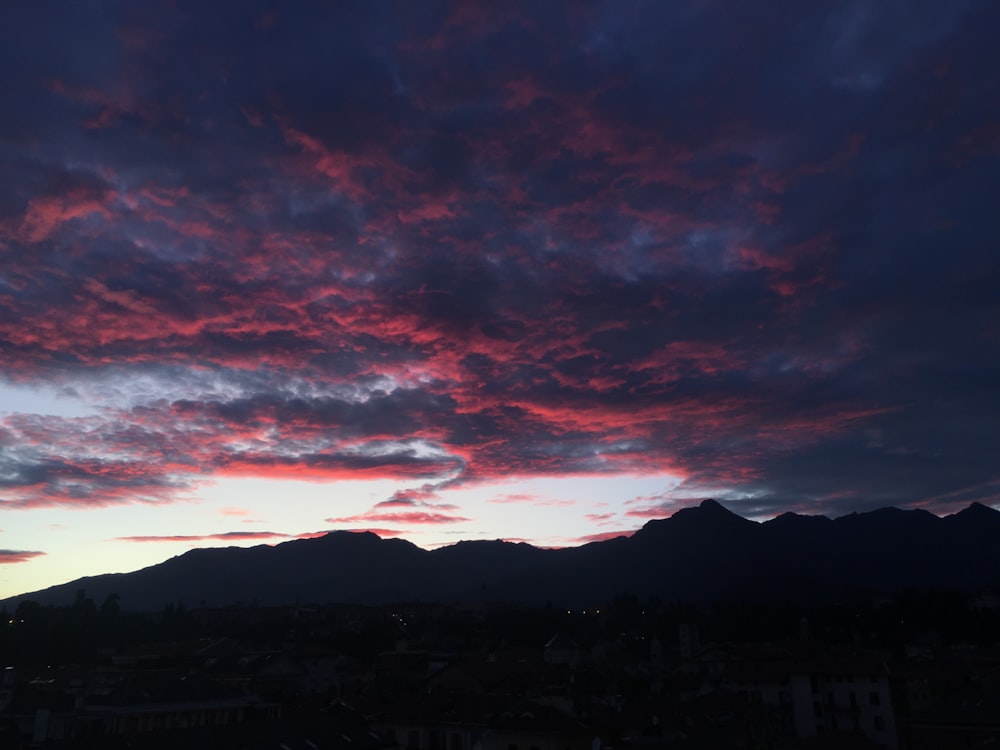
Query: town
point(915, 671)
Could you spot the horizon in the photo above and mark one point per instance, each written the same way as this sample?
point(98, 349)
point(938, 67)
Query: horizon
point(446, 271)
point(707, 502)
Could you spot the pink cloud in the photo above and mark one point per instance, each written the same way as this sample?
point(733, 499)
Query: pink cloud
point(10, 556)
point(231, 511)
point(603, 536)
point(414, 517)
point(226, 536)
point(311, 535)
point(47, 214)
point(600, 517)
point(516, 497)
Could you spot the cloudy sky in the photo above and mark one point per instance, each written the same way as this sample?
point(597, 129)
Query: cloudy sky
point(535, 271)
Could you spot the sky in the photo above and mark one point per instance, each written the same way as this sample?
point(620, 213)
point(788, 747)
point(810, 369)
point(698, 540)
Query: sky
point(530, 271)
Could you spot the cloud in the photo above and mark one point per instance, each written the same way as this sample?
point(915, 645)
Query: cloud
point(602, 536)
point(231, 511)
point(17, 556)
point(729, 246)
point(410, 518)
point(422, 497)
point(516, 497)
point(226, 536)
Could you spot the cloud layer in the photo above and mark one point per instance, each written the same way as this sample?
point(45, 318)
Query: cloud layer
point(752, 246)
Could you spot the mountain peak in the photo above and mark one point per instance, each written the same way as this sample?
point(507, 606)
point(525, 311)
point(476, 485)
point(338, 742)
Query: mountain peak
point(788, 519)
point(977, 509)
point(709, 511)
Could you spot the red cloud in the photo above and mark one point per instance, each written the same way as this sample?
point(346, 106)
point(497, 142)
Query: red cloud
point(226, 536)
point(415, 517)
point(600, 517)
point(46, 214)
point(17, 556)
point(602, 536)
point(311, 535)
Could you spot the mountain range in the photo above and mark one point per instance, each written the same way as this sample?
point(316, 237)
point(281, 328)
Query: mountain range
point(697, 554)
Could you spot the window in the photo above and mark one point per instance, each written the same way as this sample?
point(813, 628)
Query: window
point(874, 699)
point(879, 723)
point(817, 709)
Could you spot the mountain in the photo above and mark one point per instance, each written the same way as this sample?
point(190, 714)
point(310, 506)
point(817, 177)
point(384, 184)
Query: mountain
point(699, 553)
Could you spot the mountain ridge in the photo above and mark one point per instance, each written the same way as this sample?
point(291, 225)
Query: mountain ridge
point(700, 552)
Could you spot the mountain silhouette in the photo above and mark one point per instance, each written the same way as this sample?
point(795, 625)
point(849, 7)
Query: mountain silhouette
point(699, 553)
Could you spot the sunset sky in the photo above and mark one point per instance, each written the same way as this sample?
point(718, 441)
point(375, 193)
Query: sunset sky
point(537, 271)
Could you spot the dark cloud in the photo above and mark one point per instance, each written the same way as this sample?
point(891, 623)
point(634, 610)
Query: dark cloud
point(751, 245)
